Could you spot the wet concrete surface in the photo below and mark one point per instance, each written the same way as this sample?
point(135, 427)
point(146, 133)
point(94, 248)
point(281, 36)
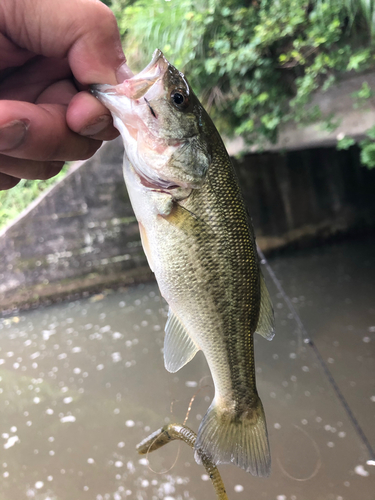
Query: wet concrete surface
point(82, 383)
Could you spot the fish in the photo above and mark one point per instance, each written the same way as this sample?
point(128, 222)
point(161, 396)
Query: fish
point(200, 244)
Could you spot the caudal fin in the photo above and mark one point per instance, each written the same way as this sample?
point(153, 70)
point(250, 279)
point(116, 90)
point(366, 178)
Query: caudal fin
point(235, 438)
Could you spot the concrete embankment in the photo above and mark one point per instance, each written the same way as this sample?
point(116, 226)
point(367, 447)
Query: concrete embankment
point(82, 236)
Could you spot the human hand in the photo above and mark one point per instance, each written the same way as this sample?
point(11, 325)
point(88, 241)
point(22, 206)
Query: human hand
point(50, 50)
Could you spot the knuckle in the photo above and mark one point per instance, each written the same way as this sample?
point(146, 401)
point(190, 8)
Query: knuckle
point(101, 15)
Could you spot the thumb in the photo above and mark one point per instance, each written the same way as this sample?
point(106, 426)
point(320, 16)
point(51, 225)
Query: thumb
point(84, 31)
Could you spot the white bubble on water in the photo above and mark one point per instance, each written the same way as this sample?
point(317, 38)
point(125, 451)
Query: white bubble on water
point(100, 367)
point(90, 460)
point(130, 423)
point(361, 471)
point(366, 340)
point(13, 428)
point(49, 411)
point(116, 357)
point(205, 477)
point(130, 467)
point(143, 461)
point(144, 483)
point(11, 442)
point(77, 371)
point(67, 418)
point(238, 488)
point(39, 485)
point(121, 444)
point(118, 463)
point(281, 497)
point(191, 383)
point(68, 400)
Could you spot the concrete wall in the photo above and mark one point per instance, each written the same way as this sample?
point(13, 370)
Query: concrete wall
point(82, 235)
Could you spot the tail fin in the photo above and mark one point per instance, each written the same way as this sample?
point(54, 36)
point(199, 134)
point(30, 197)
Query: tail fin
point(235, 438)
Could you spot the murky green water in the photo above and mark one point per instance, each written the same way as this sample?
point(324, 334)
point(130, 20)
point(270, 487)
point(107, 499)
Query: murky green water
point(82, 383)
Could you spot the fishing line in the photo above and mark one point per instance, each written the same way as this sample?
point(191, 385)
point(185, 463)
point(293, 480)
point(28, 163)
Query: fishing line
point(310, 342)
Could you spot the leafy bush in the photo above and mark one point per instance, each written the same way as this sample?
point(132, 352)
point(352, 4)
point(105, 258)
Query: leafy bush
point(255, 64)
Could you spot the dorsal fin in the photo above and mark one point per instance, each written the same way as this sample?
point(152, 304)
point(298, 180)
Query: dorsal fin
point(179, 347)
point(265, 325)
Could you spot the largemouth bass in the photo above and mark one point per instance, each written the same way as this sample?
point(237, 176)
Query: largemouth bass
point(200, 244)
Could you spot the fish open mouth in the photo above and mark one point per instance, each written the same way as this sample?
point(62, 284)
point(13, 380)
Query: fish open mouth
point(138, 85)
point(123, 99)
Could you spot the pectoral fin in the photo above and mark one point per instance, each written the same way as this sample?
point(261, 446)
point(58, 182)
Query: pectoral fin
point(181, 218)
point(179, 347)
point(265, 325)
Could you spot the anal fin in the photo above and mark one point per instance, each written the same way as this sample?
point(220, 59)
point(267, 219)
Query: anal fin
point(179, 347)
point(265, 326)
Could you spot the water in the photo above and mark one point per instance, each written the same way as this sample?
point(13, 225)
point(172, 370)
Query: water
point(83, 382)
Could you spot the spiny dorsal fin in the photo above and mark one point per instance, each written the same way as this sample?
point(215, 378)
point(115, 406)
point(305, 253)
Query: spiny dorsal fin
point(265, 325)
point(179, 347)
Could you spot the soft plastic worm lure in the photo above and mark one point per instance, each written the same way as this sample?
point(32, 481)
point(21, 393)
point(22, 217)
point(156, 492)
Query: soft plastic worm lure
point(171, 432)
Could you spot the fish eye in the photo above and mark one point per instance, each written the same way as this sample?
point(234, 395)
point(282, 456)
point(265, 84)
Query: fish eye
point(180, 99)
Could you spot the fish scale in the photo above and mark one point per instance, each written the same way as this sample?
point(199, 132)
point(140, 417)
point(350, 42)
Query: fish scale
point(200, 244)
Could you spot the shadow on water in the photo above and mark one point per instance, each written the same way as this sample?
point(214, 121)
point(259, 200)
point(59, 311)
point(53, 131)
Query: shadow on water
point(81, 383)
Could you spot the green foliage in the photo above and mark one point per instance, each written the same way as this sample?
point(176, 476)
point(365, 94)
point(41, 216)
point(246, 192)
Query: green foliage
point(368, 149)
point(254, 64)
point(15, 200)
point(345, 142)
point(362, 95)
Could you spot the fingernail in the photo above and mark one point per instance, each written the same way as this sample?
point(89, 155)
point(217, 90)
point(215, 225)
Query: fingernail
point(97, 126)
point(12, 134)
point(123, 73)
